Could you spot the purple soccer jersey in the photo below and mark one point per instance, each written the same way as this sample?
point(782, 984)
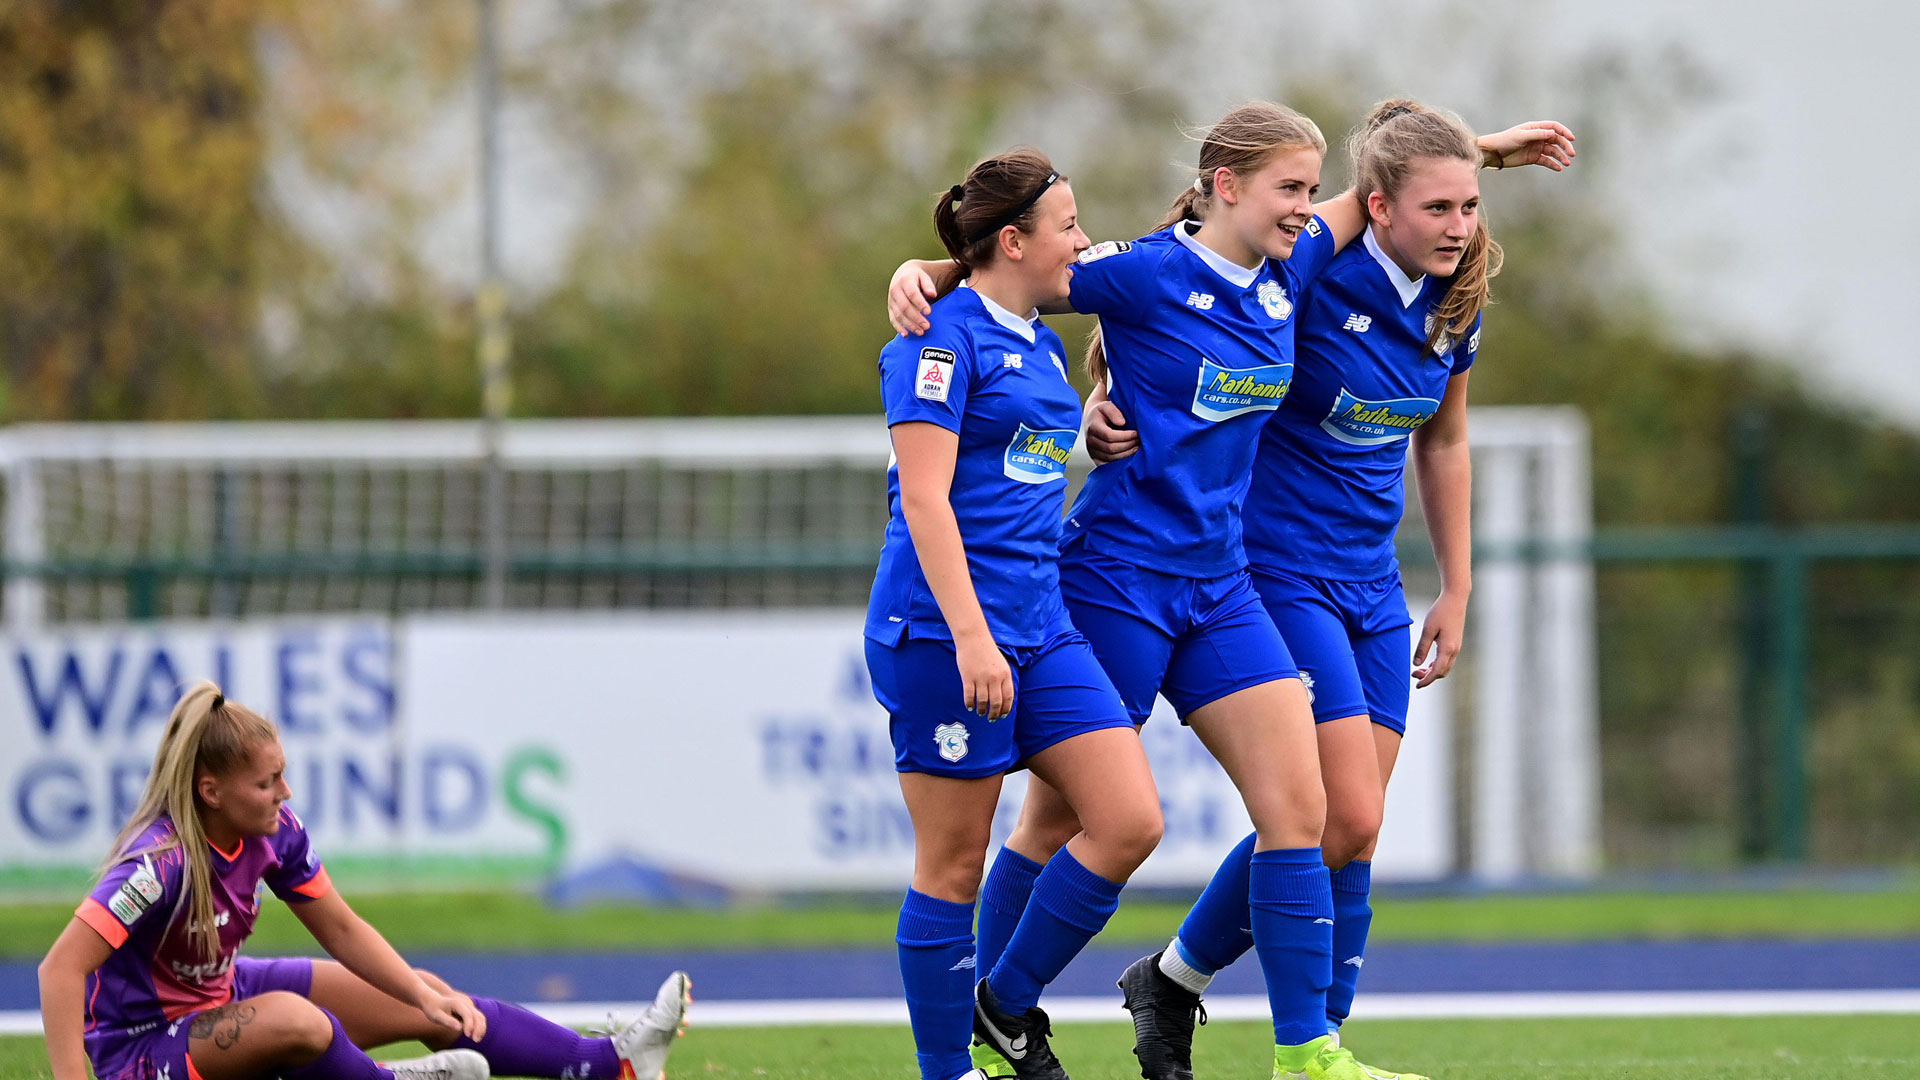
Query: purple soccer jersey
point(156, 973)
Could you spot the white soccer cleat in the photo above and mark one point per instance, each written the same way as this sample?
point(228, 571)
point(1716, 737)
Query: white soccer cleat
point(643, 1044)
point(445, 1065)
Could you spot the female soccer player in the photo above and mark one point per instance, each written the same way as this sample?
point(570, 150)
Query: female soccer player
point(146, 981)
point(968, 639)
point(1198, 324)
point(1386, 340)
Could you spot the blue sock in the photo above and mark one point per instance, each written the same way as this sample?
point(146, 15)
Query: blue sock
point(1352, 918)
point(1070, 904)
point(1292, 901)
point(1216, 932)
point(936, 966)
point(1003, 899)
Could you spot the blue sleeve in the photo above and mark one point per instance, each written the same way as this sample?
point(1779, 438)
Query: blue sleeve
point(925, 378)
point(1114, 279)
point(1467, 349)
point(1311, 253)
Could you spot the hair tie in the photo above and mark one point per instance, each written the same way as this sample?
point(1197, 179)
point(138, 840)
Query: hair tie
point(1200, 185)
point(955, 192)
point(219, 699)
point(1394, 114)
point(1013, 215)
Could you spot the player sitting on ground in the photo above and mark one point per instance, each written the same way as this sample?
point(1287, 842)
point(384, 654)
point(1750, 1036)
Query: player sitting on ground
point(146, 981)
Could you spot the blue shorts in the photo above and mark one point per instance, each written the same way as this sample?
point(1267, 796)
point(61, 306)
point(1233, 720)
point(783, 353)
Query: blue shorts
point(1351, 639)
point(1190, 640)
point(1059, 691)
point(162, 1050)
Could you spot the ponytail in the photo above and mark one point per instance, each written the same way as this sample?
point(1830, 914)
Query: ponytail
point(999, 191)
point(206, 733)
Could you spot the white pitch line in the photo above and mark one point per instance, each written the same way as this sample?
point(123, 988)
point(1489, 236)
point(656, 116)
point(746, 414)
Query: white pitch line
point(892, 1011)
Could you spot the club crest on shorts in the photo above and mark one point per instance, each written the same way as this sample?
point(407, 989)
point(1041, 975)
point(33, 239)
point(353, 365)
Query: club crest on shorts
point(952, 741)
point(1274, 298)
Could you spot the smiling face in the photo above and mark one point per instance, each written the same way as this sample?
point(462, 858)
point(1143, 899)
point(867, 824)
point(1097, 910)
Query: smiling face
point(1048, 252)
point(1425, 227)
point(1270, 206)
point(246, 800)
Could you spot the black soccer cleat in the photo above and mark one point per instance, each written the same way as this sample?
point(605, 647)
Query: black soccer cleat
point(1022, 1040)
point(1164, 1016)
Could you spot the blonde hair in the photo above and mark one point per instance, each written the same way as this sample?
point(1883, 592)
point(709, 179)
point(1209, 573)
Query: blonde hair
point(206, 735)
point(1385, 148)
point(1244, 140)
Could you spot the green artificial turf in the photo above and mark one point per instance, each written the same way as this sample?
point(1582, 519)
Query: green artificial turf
point(1696, 1048)
point(503, 921)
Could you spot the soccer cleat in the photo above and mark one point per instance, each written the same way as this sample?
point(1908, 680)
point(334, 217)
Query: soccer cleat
point(988, 1062)
point(1377, 1074)
point(643, 1044)
point(1322, 1059)
point(1164, 1016)
point(445, 1065)
point(1022, 1040)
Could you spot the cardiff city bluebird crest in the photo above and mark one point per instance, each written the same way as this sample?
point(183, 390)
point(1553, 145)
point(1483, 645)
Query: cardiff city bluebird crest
point(952, 741)
point(1273, 297)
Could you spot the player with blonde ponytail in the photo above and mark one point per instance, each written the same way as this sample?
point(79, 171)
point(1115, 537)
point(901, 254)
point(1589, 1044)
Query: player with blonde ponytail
point(1197, 352)
point(1385, 342)
point(147, 980)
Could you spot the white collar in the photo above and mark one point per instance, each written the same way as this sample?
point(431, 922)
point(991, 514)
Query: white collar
point(1408, 288)
point(1226, 268)
point(1023, 327)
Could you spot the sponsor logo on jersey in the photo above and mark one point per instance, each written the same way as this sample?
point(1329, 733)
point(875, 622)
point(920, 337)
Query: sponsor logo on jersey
point(1039, 455)
point(952, 741)
point(136, 894)
point(1273, 297)
point(936, 374)
point(1357, 323)
point(1376, 423)
point(1200, 300)
point(1224, 393)
point(1103, 249)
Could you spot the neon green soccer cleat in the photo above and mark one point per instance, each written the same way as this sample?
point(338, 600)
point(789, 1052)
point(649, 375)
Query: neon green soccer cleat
point(1325, 1059)
point(989, 1061)
point(1373, 1073)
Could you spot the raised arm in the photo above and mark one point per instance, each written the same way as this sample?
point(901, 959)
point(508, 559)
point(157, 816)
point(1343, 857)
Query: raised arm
point(918, 283)
point(926, 453)
point(76, 954)
point(361, 949)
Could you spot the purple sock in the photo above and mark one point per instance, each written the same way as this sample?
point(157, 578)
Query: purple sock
point(342, 1061)
point(521, 1043)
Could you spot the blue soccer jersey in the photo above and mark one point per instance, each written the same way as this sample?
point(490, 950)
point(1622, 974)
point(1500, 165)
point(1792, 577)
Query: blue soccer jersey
point(1201, 353)
point(998, 381)
point(1329, 481)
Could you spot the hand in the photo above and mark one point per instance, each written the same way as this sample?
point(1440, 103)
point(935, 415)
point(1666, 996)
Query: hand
point(909, 298)
point(985, 679)
point(1536, 142)
point(455, 1012)
point(1440, 639)
point(1108, 437)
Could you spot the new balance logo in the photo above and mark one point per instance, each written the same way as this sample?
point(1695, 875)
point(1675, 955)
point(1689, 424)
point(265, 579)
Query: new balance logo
point(1011, 359)
point(965, 964)
point(1317, 922)
point(1358, 323)
point(1203, 301)
point(1356, 961)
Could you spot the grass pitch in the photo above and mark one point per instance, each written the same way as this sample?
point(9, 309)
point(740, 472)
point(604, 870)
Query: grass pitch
point(1698, 1048)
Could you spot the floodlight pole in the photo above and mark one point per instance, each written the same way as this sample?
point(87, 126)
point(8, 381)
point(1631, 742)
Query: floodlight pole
point(490, 310)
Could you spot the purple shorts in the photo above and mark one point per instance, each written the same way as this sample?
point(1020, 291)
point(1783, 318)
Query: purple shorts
point(160, 1052)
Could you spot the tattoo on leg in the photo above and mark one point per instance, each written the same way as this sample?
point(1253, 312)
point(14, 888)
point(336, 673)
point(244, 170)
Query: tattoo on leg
point(222, 1024)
